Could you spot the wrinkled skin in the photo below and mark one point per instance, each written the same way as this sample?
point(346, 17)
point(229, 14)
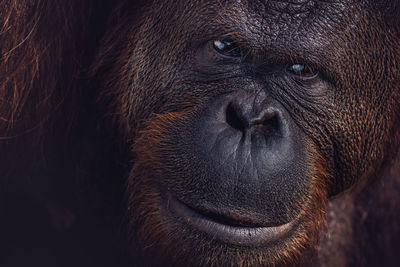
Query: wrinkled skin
point(235, 157)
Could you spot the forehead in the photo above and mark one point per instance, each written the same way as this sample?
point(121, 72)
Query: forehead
point(290, 6)
point(271, 16)
point(280, 24)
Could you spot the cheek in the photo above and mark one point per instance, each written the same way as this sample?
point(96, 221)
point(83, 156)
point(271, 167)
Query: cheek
point(361, 138)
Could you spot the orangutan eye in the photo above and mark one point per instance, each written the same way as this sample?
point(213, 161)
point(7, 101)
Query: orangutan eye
point(302, 71)
point(227, 48)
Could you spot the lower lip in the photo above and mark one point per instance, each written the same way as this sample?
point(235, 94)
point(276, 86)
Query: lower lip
point(235, 235)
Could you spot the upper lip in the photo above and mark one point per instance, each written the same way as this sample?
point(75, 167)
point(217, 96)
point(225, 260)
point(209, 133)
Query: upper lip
point(231, 229)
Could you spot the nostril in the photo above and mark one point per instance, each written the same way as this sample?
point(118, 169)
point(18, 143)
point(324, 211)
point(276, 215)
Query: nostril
point(237, 119)
point(271, 122)
point(233, 119)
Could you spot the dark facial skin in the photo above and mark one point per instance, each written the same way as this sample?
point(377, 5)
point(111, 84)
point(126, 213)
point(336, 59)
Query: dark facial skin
point(245, 119)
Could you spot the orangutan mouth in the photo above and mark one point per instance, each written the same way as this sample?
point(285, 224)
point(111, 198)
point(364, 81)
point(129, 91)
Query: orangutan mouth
point(235, 231)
